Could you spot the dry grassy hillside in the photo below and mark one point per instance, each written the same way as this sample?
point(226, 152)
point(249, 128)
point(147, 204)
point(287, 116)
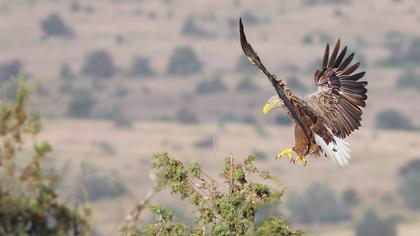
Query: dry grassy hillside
point(114, 123)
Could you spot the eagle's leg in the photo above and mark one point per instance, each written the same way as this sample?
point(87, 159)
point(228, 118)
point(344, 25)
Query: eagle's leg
point(286, 152)
point(301, 145)
point(300, 160)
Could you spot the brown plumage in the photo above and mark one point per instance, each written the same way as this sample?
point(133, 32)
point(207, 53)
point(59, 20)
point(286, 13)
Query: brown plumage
point(330, 114)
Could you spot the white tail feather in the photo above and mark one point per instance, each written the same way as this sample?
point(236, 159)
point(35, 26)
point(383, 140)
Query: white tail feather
point(338, 151)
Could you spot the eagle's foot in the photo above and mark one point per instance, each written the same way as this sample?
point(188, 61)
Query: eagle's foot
point(300, 160)
point(286, 152)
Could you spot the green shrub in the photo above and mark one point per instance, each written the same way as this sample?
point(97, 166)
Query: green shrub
point(409, 79)
point(190, 28)
point(77, 7)
point(393, 120)
point(54, 26)
point(413, 52)
point(28, 198)
point(66, 87)
point(318, 204)
point(210, 86)
point(247, 85)
point(319, 37)
point(184, 61)
point(307, 39)
point(313, 2)
point(250, 18)
point(107, 148)
point(249, 119)
point(259, 154)
point(185, 116)
point(10, 69)
point(116, 115)
point(402, 51)
point(206, 142)
point(100, 186)
point(99, 64)
point(120, 117)
point(164, 223)
point(220, 210)
point(372, 225)
point(350, 197)
point(411, 167)
point(66, 72)
point(141, 67)
point(121, 91)
point(282, 119)
point(244, 66)
point(295, 84)
point(82, 104)
point(409, 186)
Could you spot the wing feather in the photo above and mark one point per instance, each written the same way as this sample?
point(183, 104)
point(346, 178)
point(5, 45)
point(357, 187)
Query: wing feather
point(255, 59)
point(340, 95)
point(334, 54)
point(340, 57)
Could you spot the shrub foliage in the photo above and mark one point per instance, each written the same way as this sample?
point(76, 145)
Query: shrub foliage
point(409, 186)
point(99, 64)
point(141, 67)
point(372, 225)
point(210, 86)
point(393, 120)
point(54, 26)
point(223, 209)
point(28, 202)
point(9, 69)
point(318, 204)
point(184, 61)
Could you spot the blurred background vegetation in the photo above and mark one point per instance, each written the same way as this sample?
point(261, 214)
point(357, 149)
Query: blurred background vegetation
point(118, 80)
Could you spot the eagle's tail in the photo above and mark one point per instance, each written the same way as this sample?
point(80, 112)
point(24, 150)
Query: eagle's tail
point(338, 150)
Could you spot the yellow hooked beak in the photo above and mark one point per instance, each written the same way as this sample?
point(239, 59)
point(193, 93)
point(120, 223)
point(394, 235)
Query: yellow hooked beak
point(266, 108)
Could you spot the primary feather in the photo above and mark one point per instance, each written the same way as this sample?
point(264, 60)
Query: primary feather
point(340, 94)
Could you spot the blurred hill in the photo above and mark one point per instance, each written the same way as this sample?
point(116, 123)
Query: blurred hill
point(139, 76)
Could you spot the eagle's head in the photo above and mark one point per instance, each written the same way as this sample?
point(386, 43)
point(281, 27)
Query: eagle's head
point(272, 103)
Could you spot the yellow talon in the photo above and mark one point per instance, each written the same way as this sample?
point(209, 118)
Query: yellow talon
point(300, 160)
point(287, 151)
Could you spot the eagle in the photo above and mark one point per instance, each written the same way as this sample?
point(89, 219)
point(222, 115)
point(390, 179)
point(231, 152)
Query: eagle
point(324, 118)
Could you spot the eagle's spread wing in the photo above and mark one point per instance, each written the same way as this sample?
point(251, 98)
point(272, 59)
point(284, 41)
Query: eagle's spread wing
point(253, 57)
point(340, 95)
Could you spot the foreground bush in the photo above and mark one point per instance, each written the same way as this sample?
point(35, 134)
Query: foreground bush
point(28, 201)
point(227, 208)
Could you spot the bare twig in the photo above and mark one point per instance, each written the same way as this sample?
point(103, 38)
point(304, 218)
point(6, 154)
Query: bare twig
point(231, 180)
point(135, 213)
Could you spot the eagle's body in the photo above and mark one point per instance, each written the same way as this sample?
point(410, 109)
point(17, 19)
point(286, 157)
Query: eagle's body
point(322, 119)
